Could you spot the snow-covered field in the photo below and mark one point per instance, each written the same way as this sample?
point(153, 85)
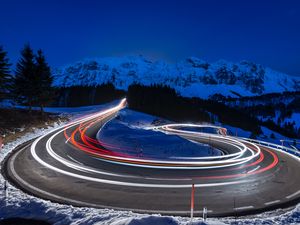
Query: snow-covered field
point(126, 134)
point(295, 117)
point(19, 204)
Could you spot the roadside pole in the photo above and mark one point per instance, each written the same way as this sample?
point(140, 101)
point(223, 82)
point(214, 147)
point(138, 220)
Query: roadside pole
point(234, 208)
point(141, 152)
point(282, 143)
point(192, 201)
point(204, 214)
point(5, 192)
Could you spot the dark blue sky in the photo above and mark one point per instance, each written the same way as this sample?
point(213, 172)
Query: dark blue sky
point(264, 31)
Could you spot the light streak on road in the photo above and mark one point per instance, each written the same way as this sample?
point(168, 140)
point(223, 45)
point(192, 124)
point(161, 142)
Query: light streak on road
point(245, 152)
point(88, 165)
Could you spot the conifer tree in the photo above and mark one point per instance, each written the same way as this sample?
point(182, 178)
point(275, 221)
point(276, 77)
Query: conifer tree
point(33, 79)
point(5, 77)
point(25, 84)
point(44, 91)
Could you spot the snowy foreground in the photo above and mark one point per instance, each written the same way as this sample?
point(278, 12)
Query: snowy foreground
point(19, 204)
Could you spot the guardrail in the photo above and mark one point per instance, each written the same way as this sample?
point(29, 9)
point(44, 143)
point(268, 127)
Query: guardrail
point(279, 147)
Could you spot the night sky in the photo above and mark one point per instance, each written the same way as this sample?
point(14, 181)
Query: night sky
point(264, 31)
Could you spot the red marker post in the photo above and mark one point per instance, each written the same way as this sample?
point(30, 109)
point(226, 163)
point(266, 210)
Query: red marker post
point(192, 201)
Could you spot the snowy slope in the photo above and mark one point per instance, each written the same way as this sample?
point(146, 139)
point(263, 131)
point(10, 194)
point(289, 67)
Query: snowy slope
point(123, 135)
point(190, 77)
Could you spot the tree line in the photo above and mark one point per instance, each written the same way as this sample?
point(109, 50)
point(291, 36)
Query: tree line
point(163, 101)
point(86, 95)
point(30, 83)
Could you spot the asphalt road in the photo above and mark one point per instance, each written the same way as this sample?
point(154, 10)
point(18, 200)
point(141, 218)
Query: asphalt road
point(67, 166)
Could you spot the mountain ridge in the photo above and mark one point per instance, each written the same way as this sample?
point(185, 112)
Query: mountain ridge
point(191, 77)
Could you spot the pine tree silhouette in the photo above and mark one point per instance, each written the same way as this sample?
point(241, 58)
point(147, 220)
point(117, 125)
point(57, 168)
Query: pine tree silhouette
point(33, 80)
point(25, 82)
point(45, 92)
point(5, 77)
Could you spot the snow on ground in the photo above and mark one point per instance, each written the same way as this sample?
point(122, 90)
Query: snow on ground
point(77, 111)
point(125, 134)
point(208, 90)
point(135, 119)
point(295, 117)
point(265, 136)
point(235, 131)
point(19, 204)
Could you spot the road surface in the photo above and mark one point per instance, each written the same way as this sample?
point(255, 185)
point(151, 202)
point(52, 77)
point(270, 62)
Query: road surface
point(68, 165)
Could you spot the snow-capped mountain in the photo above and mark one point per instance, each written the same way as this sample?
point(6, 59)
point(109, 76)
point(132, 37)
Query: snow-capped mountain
point(191, 77)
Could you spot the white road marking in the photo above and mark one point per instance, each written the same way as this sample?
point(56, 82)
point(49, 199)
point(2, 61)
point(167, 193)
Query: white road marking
point(201, 211)
point(256, 168)
point(174, 179)
point(272, 202)
point(75, 160)
point(68, 140)
point(293, 195)
point(244, 207)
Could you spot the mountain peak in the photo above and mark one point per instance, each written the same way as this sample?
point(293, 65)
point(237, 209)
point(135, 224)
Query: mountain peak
point(192, 77)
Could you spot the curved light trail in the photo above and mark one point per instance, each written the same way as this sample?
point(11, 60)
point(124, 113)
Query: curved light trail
point(244, 152)
point(73, 152)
